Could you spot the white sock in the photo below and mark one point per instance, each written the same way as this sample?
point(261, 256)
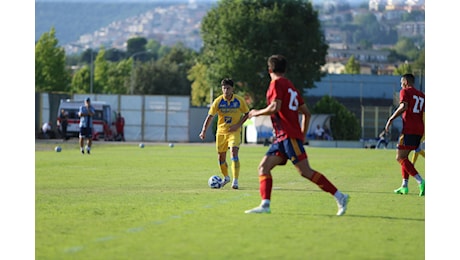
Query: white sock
point(405, 183)
point(338, 195)
point(418, 178)
point(265, 203)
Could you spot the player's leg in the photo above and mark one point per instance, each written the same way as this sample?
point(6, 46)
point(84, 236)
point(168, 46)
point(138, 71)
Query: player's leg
point(81, 139)
point(90, 140)
point(405, 175)
point(418, 152)
point(407, 144)
point(235, 166)
point(304, 169)
point(268, 162)
point(234, 142)
point(222, 147)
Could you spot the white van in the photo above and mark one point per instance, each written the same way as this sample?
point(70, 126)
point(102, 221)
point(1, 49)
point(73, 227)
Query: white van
point(103, 115)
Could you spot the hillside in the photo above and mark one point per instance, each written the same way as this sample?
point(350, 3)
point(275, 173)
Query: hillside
point(71, 20)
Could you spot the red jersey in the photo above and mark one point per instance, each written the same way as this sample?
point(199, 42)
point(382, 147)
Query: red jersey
point(286, 120)
point(412, 118)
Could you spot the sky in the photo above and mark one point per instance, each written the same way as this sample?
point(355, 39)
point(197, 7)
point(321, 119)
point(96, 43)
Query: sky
point(17, 186)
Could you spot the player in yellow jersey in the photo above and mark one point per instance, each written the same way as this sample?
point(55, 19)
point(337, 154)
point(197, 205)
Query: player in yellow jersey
point(418, 151)
point(232, 112)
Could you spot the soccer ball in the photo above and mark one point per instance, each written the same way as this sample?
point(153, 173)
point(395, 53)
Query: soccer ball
point(215, 182)
point(58, 148)
point(141, 145)
point(171, 145)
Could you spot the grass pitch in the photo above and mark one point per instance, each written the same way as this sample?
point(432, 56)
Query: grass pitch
point(127, 202)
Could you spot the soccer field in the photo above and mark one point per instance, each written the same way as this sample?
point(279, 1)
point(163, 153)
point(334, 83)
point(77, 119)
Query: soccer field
point(127, 202)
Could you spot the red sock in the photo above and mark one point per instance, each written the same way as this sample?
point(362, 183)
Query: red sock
point(322, 182)
point(407, 167)
point(404, 173)
point(266, 183)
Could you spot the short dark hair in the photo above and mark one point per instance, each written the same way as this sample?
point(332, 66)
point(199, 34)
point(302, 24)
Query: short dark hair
point(409, 78)
point(226, 81)
point(277, 63)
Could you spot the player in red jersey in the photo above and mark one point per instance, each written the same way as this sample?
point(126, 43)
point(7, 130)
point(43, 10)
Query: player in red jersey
point(284, 103)
point(412, 109)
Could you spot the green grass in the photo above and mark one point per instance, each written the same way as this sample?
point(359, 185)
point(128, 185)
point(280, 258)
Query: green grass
point(124, 202)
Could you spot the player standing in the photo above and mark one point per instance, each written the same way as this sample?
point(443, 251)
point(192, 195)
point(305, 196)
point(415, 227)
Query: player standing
point(232, 112)
point(86, 113)
point(412, 108)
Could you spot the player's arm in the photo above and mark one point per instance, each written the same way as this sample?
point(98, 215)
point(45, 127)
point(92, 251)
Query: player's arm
point(91, 111)
point(305, 116)
point(236, 126)
point(80, 112)
point(206, 124)
point(272, 108)
point(401, 109)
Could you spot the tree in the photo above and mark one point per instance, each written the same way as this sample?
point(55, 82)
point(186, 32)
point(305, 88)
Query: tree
point(80, 81)
point(405, 46)
point(239, 36)
point(344, 124)
point(369, 29)
point(88, 55)
point(352, 66)
point(200, 87)
point(166, 76)
point(403, 69)
point(50, 64)
point(101, 76)
point(153, 47)
point(114, 55)
point(119, 81)
point(419, 63)
point(136, 44)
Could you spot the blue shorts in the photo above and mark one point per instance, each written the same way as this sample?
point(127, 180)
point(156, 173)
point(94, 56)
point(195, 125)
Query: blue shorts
point(290, 148)
point(409, 142)
point(86, 132)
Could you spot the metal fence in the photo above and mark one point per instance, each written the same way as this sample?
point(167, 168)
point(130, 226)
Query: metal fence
point(147, 117)
point(171, 119)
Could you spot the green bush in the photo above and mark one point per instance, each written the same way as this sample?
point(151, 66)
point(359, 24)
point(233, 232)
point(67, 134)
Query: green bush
point(344, 124)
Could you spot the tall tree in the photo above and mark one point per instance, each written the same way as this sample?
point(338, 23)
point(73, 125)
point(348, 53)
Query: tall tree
point(201, 88)
point(352, 66)
point(50, 64)
point(81, 81)
point(101, 76)
point(239, 36)
point(119, 77)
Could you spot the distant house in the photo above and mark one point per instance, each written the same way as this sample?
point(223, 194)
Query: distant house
point(368, 56)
